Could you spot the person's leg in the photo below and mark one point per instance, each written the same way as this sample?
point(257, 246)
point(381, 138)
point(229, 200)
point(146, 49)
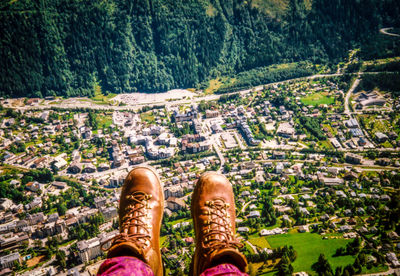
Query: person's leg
point(223, 270)
point(213, 213)
point(140, 213)
point(124, 266)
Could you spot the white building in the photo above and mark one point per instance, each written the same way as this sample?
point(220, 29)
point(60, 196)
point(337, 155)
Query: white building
point(91, 249)
point(243, 230)
point(5, 203)
point(60, 161)
point(391, 257)
point(254, 214)
point(276, 231)
point(8, 260)
point(279, 168)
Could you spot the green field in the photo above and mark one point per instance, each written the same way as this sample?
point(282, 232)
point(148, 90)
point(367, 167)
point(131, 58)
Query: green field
point(148, 117)
point(215, 84)
point(99, 97)
point(387, 144)
point(331, 130)
point(317, 99)
point(104, 120)
point(103, 99)
point(260, 242)
point(325, 145)
point(309, 246)
point(373, 124)
point(163, 241)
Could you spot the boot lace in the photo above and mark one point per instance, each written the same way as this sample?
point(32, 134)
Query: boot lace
point(218, 232)
point(134, 214)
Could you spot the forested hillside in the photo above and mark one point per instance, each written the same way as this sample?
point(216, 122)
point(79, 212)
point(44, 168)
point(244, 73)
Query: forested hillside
point(65, 47)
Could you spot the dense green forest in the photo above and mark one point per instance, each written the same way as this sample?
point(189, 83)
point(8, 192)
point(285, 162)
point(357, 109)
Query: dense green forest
point(385, 81)
point(66, 47)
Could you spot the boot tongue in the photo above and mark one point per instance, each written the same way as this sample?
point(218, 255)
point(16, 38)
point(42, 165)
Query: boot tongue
point(126, 249)
point(230, 256)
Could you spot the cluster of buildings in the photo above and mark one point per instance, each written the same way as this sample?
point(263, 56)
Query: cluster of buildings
point(17, 233)
point(299, 180)
point(161, 148)
point(366, 99)
point(248, 133)
point(194, 143)
point(91, 249)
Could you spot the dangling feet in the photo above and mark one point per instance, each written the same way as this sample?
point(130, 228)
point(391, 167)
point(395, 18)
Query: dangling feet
point(213, 213)
point(140, 213)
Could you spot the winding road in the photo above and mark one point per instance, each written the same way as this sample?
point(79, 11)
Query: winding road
point(245, 205)
point(385, 31)
point(253, 247)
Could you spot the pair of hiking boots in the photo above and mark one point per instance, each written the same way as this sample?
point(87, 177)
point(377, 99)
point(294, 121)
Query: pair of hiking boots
point(213, 212)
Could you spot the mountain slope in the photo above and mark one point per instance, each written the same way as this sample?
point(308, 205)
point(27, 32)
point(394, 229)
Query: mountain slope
point(65, 47)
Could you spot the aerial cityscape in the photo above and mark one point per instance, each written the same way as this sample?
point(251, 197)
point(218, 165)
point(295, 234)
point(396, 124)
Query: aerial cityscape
point(313, 161)
point(295, 102)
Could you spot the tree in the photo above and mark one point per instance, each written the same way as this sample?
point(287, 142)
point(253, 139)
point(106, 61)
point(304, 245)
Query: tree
point(338, 271)
point(340, 251)
point(61, 260)
point(48, 252)
point(227, 167)
point(285, 267)
point(353, 247)
point(92, 120)
point(17, 265)
point(61, 209)
point(40, 175)
point(322, 266)
point(357, 266)
point(348, 270)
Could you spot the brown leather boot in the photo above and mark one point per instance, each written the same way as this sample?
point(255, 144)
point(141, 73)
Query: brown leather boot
point(213, 213)
point(140, 213)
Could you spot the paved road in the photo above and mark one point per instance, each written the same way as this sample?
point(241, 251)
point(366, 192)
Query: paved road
point(220, 156)
point(239, 141)
point(75, 103)
point(245, 206)
point(348, 95)
point(385, 31)
point(347, 104)
point(252, 247)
